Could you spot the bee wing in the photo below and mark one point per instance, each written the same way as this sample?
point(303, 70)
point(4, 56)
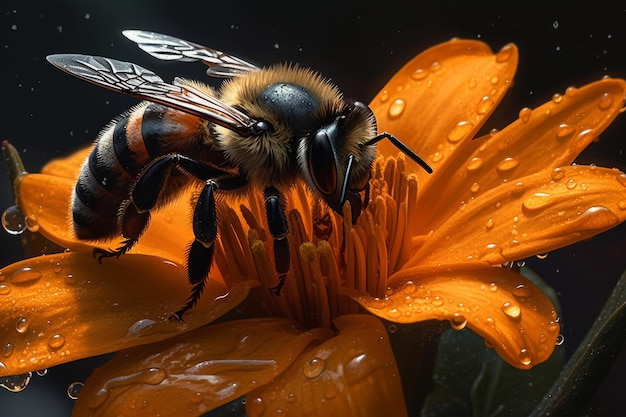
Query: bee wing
point(144, 84)
point(169, 48)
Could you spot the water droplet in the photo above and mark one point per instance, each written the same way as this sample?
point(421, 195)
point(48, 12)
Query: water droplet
point(4, 289)
point(621, 204)
point(524, 114)
point(25, 276)
point(504, 54)
point(384, 96)
point(494, 80)
point(621, 179)
point(507, 164)
point(557, 174)
point(512, 310)
point(596, 218)
point(419, 74)
point(571, 184)
point(73, 391)
point(475, 164)
point(491, 253)
point(490, 223)
point(21, 325)
point(32, 224)
point(560, 339)
point(525, 357)
point(359, 368)
point(542, 256)
point(535, 202)
point(472, 83)
point(138, 327)
point(557, 98)
point(13, 220)
point(564, 131)
point(436, 157)
point(42, 372)
point(475, 187)
point(396, 108)
point(437, 301)
point(605, 101)
point(522, 291)
point(392, 328)
point(493, 287)
point(16, 383)
point(460, 131)
point(56, 341)
point(458, 321)
point(314, 367)
point(8, 349)
point(70, 279)
point(435, 66)
point(484, 105)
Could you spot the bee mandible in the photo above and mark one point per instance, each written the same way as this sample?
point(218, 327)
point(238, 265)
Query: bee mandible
point(264, 129)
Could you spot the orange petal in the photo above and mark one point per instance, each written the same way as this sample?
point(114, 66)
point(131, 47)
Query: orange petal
point(69, 166)
point(440, 99)
point(45, 201)
point(351, 374)
point(196, 372)
point(537, 214)
point(547, 137)
point(63, 307)
point(508, 310)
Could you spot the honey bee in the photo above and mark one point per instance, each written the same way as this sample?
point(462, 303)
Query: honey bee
point(264, 129)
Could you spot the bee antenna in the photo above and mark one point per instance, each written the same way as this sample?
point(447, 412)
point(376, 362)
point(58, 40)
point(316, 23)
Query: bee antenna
point(402, 147)
point(346, 178)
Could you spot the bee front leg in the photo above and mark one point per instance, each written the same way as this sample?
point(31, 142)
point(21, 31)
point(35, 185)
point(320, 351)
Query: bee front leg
point(279, 229)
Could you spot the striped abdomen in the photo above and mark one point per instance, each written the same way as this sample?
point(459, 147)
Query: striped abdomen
point(120, 154)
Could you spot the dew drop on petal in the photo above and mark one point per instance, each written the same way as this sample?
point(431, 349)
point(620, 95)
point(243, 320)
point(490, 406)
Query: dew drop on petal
point(8, 349)
point(384, 96)
point(13, 220)
point(460, 131)
point(74, 390)
point(524, 114)
point(21, 325)
point(16, 383)
point(484, 105)
point(504, 54)
point(512, 310)
point(458, 321)
point(605, 101)
point(56, 341)
point(507, 164)
point(32, 224)
point(525, 357)
point(25, 276)
point(4, 289)
point(557, 98)
point(396, 108)
point(475, 164)
point(535, 202)
point(557, 174)
point(475, 187)
point(621, 179)
point(571, 184)
point(419, 74)
point(522, 291)
point(596, 218)
point(435, 66)
point(564, 131)
point(314, 367)
point(437, 301)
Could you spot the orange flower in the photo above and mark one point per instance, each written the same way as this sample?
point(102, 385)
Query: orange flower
point(416, 253)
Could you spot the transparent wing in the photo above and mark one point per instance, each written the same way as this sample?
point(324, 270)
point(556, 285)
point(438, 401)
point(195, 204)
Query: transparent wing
point(170, 48)
point(144, 84)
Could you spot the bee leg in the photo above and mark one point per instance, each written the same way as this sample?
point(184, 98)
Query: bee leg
point(279, 229)
point(200, 255)
point(133, 224)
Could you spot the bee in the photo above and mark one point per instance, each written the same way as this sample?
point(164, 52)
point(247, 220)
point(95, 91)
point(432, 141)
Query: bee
point(263, 130)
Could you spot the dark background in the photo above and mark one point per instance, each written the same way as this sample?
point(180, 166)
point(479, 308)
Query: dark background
point(359, 45)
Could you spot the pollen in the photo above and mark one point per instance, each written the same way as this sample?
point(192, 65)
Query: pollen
point(331, 258)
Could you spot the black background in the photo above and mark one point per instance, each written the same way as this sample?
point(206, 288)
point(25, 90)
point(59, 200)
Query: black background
point(359, 45)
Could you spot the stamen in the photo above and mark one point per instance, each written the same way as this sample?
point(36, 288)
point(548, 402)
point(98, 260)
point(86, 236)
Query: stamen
point(319, 296)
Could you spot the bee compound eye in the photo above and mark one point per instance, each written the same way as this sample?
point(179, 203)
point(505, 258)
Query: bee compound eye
point(321, 162)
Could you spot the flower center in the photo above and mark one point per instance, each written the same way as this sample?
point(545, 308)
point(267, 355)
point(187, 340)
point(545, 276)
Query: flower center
point(330, 257)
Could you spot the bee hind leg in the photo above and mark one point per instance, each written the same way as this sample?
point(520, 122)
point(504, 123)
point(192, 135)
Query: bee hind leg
point(134, 224)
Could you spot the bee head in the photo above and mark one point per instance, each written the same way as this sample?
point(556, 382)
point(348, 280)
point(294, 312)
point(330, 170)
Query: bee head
point(336, 160)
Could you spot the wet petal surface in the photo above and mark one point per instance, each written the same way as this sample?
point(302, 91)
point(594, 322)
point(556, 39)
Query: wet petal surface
point(508, 310)
point(196, 372)
point(537, 214)
point(351, 374)
point(440, 99)
point(63, 307)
